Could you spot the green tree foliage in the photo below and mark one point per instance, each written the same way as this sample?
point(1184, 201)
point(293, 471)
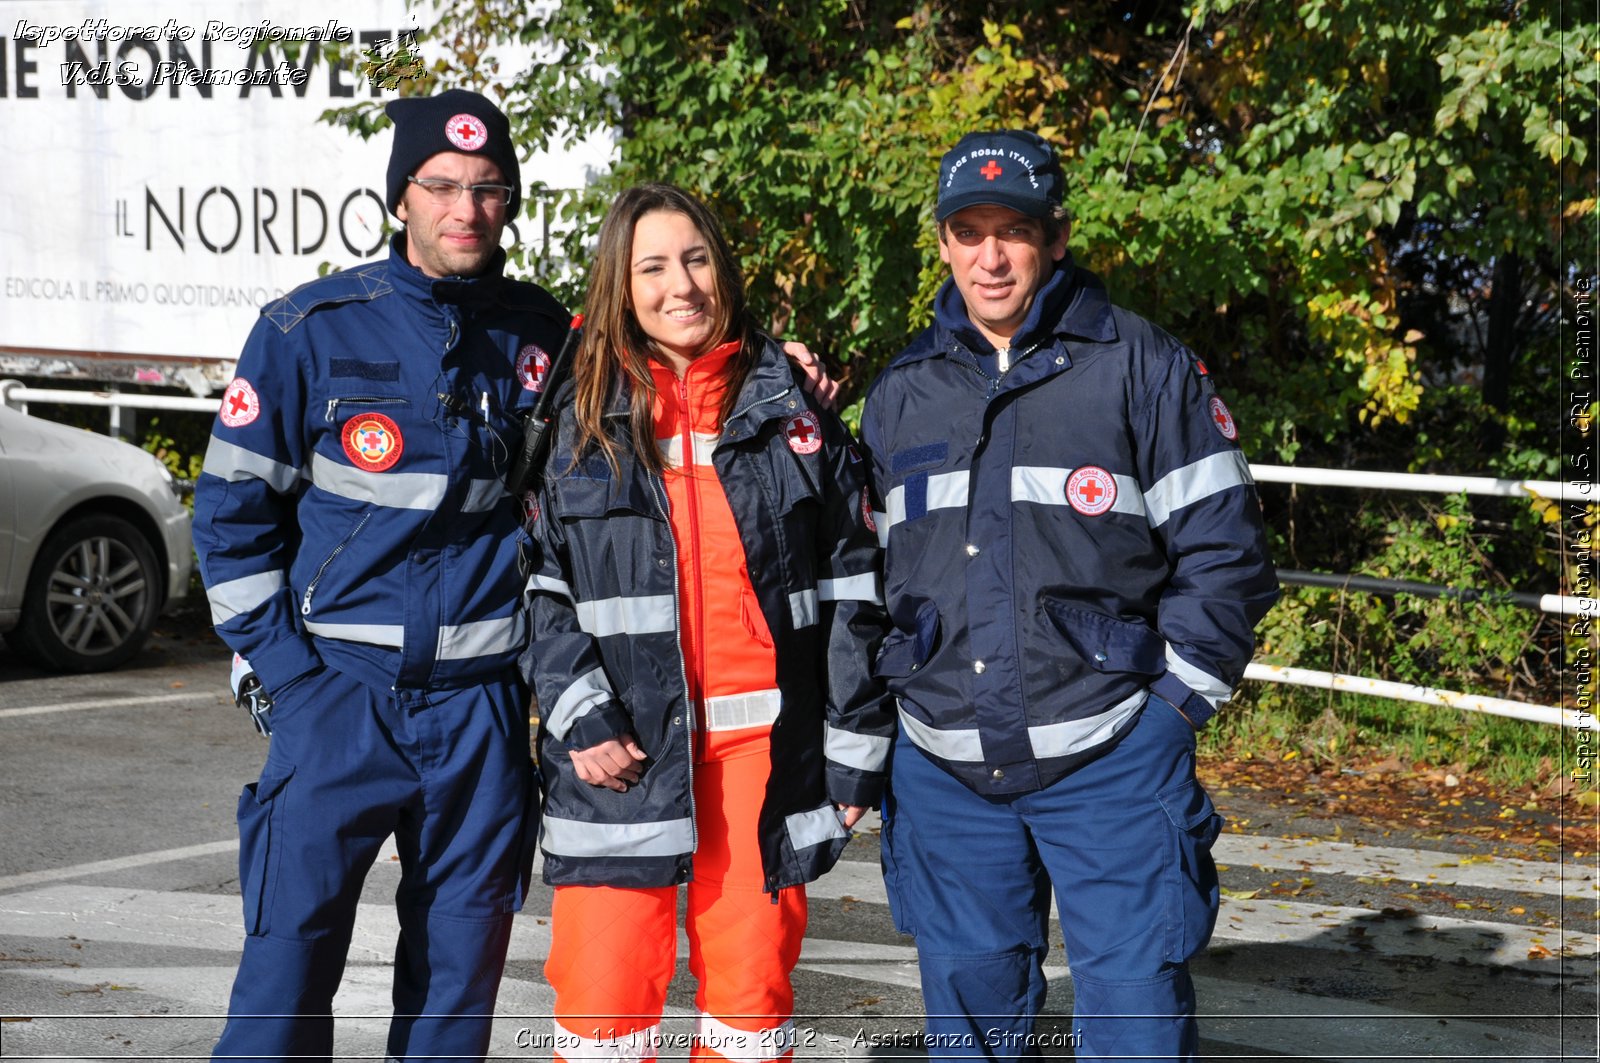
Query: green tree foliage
point(1369, 216)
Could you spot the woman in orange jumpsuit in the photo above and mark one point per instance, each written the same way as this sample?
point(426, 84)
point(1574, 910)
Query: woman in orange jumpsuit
point(706, 604)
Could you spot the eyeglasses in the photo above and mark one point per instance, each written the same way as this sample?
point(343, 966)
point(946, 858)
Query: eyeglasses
point(445, 192)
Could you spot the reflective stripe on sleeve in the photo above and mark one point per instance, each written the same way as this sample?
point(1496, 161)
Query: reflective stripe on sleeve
point(862, 752)
point(1201, 479)
point(241, 595)
point(803, 608)
point(816, 827)
point(863, 588)
point(571, 837)
point(394, 490)
point(1198, 679)
point(643, 615)
point(233, 463)
point(536, 582)
point(583, 695)
point(745, 1046)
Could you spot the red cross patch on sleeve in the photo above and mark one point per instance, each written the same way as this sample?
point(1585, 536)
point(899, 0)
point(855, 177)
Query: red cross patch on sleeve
point(804, 432)
point(1223, 419)
point(240, 404)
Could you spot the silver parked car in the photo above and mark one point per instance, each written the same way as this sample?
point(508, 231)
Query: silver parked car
point(94, 544)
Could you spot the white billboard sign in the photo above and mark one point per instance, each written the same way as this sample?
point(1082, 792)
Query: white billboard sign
point(169, 175)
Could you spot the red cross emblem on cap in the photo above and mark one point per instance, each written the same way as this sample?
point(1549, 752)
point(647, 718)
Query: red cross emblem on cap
point(1223, 419)
point(240, 404)
point(467, 132)
point(804, 432)
point(991, 170)
point(1091, 490)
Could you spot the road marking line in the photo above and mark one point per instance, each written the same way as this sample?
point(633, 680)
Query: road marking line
point(121, 863)
point(110, 703)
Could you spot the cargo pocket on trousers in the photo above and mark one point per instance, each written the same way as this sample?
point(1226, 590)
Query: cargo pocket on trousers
point(1192, 880)
point(261, 811)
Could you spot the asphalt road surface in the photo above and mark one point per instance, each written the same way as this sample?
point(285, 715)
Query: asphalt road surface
point(120, 918)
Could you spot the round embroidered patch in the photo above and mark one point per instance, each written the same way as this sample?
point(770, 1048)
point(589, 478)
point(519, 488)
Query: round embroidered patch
point(1223, 419)
point(372, 441)
point(866, 511)
point(467, 132)
point(240, 404)
point(804, 432)
point(532, 365)
point(1091, 490)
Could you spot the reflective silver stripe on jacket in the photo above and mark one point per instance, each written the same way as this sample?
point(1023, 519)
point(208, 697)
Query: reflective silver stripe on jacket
point(866, 587)
point(582, 696)
point(536, 582)
point(573, 837)
point(746, 1046)
point(1049, 740)
point(671, 448)
point(643, 615)
point(1047, 486)
point(863, 752)
point(1198, 679)
point(234, 463)
point(241, 595)
point(457, 642)
point(815, 827)
point(483, 495)
point(948, 490)
point(803, 608)
point(1202, 479)
point(730, 712)
point(393, 490)
point(482, 638)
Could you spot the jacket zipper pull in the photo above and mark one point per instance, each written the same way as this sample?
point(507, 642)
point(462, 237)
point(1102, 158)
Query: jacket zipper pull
point(305, 603)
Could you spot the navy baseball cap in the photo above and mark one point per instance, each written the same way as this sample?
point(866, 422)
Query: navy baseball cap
point(1012, 168)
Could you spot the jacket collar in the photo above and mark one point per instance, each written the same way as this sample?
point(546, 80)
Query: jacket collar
point(480, 290)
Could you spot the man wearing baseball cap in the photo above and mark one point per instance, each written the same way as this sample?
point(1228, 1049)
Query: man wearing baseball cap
point(358, 545)
point(1075, 562)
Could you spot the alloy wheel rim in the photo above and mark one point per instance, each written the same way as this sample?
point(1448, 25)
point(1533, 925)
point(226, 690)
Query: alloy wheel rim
point(96, 594)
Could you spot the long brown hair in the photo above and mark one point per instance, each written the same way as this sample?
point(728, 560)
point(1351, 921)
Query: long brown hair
point(615, 353)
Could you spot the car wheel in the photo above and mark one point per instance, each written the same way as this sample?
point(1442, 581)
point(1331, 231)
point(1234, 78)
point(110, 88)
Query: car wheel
point(93, 596)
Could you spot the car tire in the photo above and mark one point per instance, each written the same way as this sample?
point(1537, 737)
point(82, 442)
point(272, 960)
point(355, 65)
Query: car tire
point(93, 596)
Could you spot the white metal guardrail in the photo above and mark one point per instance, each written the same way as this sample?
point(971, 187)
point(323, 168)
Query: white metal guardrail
point(15, 393)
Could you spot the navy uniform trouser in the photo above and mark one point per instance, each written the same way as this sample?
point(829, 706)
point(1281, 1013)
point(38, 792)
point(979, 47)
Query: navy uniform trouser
point(1126, 841)
point(448, 773)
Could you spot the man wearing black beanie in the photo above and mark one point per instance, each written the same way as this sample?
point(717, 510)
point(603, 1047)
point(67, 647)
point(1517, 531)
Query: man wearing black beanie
point(359, 549)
